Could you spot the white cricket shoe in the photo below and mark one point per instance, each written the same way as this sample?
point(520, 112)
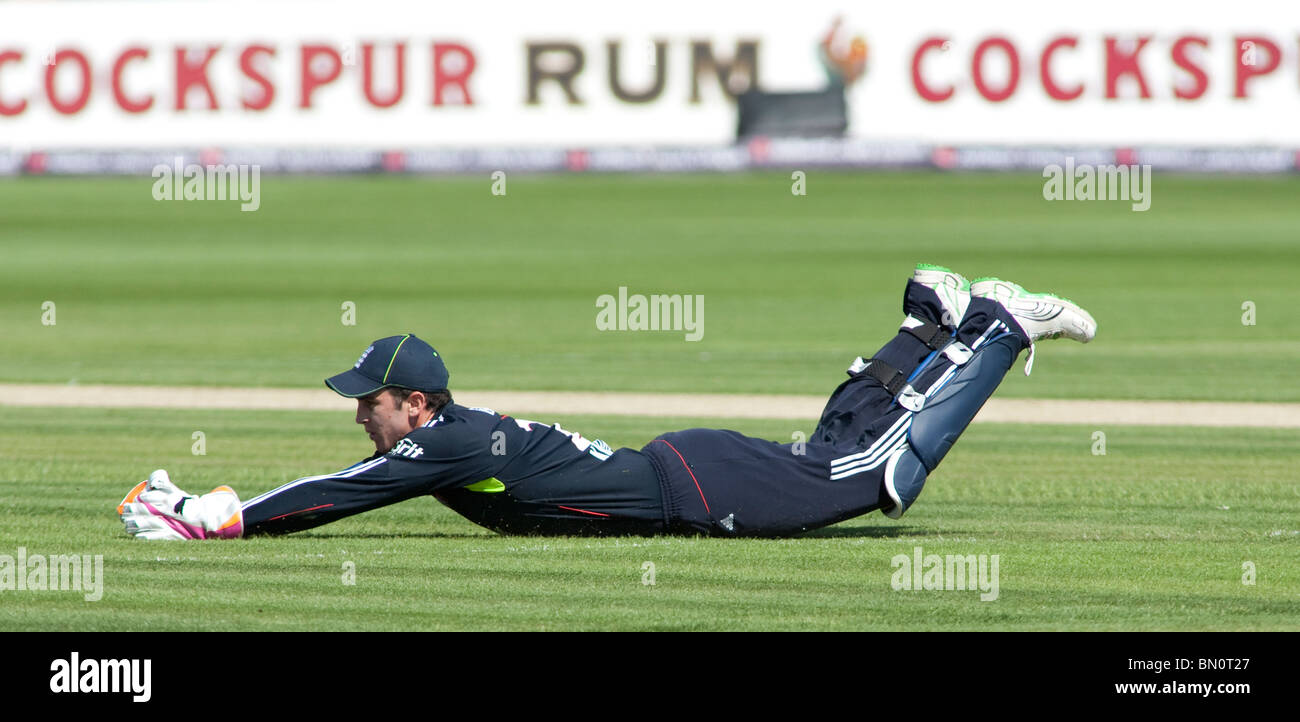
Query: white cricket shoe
point(1041, 315)
point(953, 289)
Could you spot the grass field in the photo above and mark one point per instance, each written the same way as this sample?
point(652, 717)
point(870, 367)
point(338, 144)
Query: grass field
point(1152, 535)
point(506, 286)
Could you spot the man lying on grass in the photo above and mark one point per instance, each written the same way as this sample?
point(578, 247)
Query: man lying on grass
point(882, 432)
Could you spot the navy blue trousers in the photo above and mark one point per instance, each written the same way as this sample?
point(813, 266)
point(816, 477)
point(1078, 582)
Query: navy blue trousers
point(724, 483)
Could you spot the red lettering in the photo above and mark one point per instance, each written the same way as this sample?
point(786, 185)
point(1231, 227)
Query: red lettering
point(1055, 91)
point(311, 80)
point(21, 105)
point(977, 73)
point(125, 103)
point(1119, 64)
point(923, 90)
point(189, 74)
point(1249, 64)
point(250, 71)
point(445, 77)
point(83, 96)
point(1179, 53)
point(367, 57)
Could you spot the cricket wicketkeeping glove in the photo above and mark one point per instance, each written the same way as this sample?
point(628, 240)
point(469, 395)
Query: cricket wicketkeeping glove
point(157, 509)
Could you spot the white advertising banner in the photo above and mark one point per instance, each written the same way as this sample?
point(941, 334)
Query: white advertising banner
point(388, 74)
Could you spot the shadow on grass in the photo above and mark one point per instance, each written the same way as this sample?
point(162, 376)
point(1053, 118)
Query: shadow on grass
point(860, 532)
point(395, 536)
point(871, 532)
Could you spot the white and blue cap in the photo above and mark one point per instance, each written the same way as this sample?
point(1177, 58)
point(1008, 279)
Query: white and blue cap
point(404, 361)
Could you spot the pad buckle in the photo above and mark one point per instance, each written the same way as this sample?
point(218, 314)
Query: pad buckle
point(892, 379)
point(911, 399)
point(958, 352)
point(858, 366)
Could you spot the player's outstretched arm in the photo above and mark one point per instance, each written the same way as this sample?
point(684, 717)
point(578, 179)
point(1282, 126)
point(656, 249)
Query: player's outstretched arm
point(157, 509)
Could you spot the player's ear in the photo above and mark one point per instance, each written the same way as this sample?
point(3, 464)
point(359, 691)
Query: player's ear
point(420, 398)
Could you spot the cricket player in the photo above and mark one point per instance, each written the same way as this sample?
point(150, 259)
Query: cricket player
point(883, 431)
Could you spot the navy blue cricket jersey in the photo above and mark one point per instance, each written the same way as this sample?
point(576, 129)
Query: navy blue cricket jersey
point(509, 475)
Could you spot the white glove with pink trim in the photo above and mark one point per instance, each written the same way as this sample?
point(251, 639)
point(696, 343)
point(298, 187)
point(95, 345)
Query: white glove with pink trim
point(157, 509)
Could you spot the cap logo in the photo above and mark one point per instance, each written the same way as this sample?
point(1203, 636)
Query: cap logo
point(364, 354)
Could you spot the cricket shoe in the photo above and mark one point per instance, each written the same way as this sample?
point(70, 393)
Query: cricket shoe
point(157, 509)
point(1040, 315)
point(953, 289)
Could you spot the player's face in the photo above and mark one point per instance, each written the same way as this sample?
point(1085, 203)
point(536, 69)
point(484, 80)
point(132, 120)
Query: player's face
point(385, 420)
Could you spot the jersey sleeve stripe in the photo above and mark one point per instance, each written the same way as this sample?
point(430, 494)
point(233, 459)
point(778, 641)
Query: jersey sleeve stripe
point(345, 474)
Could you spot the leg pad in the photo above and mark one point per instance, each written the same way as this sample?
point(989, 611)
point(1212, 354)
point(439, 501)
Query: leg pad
point(904, 479)
point(946, 414)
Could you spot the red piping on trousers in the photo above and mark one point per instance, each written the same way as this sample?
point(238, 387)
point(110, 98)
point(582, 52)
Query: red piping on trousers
point(584, 511)
point(688, 471)
point(300, 511)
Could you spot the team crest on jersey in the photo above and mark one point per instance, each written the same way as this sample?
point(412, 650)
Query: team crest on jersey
point(364, 354)
point(407, 448)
